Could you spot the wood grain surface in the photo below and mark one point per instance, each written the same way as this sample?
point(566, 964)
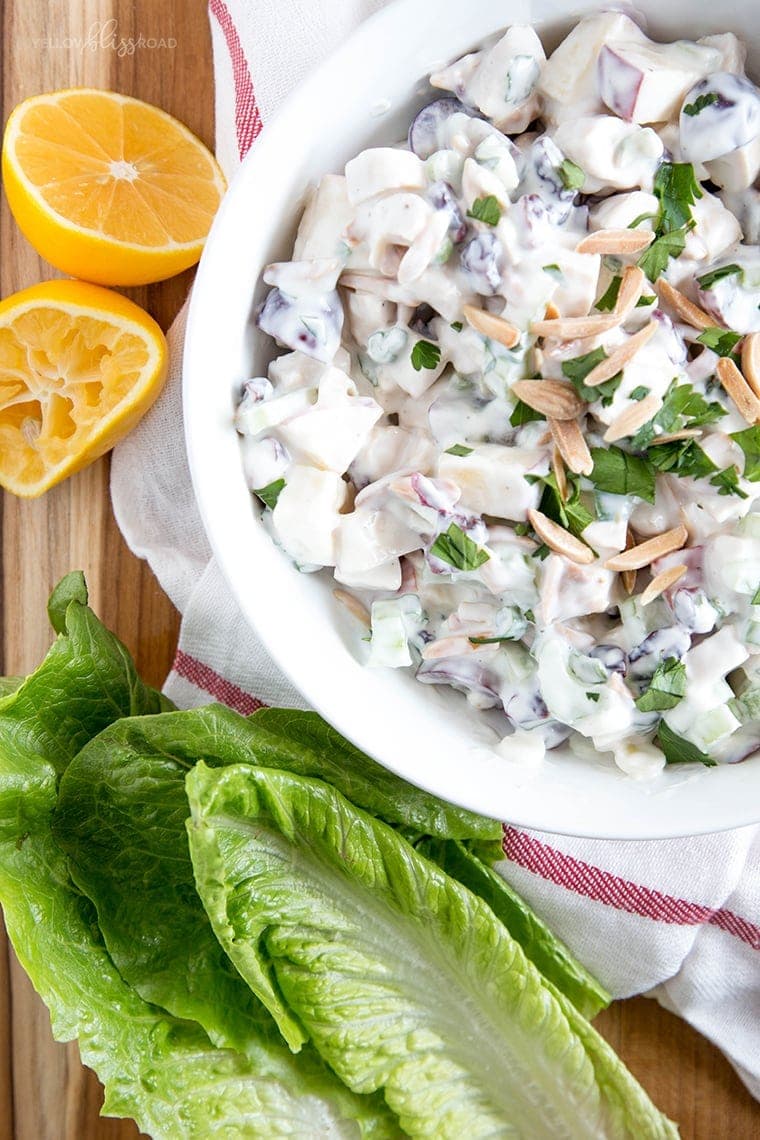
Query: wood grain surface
point(45, 1093)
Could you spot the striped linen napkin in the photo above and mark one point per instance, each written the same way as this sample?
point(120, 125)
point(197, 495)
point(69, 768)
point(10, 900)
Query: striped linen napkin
point(678, 919)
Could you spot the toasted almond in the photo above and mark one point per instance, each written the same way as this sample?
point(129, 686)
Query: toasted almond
point(573, 448)
point(558, 468)
point(615, 241)
point(535, 359)
point(673, 436)
point(560, 540)
point(739, 390)
point(491, 326)
point(628, 578)
point(551, 312)
point(354, 606)
point(646, 552)
point(621, 356)
point(662, 582)
point(448, 647)
point(629, 292)
point(751, 361)
point(634, 417)
point(555, 398)
point(575, 328)
point(690, 313)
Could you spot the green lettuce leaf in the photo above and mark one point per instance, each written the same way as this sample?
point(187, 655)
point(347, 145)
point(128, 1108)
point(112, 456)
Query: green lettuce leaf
point(550, 956)
point(305, 744)
point(404, 980)
point(159, 1069)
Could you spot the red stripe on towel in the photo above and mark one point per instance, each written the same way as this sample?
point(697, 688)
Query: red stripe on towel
point(612, 890)
point(248, 122)
point(203, 677)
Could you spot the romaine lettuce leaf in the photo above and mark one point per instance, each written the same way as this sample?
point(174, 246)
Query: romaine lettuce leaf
point(304, 743)
point(404, 980)
point(550, 956)
point(159, 1069)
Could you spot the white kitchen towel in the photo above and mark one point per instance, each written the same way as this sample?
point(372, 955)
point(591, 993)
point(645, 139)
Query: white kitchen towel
point(680, 918)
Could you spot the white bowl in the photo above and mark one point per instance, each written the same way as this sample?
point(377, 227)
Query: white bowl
point(365, 95)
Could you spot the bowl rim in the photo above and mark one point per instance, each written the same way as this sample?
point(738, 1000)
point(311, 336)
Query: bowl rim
point(656, 812)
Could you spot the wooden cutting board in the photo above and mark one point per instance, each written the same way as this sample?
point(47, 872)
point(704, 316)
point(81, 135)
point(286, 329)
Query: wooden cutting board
point(159, 50)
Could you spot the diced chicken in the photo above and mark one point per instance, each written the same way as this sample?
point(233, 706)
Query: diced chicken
point(737, 170)
point(389, 222)
point(264, 461)
point(492, 479)
point(569, 590)
point(500, 81)
point(367, 314)
point(297, 370)
point(732, 52)
point(324, 221)
point(619, 210)
point(308, 536)
point(330, 433)
point(397, 449)
point(370, 537)
point(610, 152)
point(380, 169)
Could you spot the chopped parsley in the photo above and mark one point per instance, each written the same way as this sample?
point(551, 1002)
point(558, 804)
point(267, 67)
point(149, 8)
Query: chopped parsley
point(756, 597)
point(485, 210)
point(707, 280)
point(643, 302)
point(749, 442)
point(593, 697)
point(680, 751)
point(667, 687)
point(458, 550)
point(676, 189)
point(522, 414)
point(617, 472)
point(571, 174)
point(639, 392)
point(639, 219)
point(681, 457)
point(577, 369)
point(570, 513)
point(553, 269)
point(727, 482)
point(457, 326)
point(608, 299)
point(459, 449)
point(671, 244)
point(425, 355)
point(681, 408)
point(722, 341)
point(699, 104)
point(491, 640)
point(271, 493)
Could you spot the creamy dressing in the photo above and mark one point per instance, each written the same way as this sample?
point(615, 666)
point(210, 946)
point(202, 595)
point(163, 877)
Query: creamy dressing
point(390, 445)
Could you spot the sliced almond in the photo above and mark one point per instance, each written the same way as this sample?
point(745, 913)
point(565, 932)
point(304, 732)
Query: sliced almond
point(673, 436)
point(559, 540)
point(690, 313)
point(739, 390)
point(751, 361)
point(448, 647)
point(634, 417)
point(555, 398)
point(571, 445)
point(628, 577)
point(384, 287)
point(551, 312)
point(575, 328)
point(558, 468)
point(354, 606)
point(629, 292)
point(662, 582)
point(615, 241)
point(491, 326)
point(646, 552)
point(621, 356)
